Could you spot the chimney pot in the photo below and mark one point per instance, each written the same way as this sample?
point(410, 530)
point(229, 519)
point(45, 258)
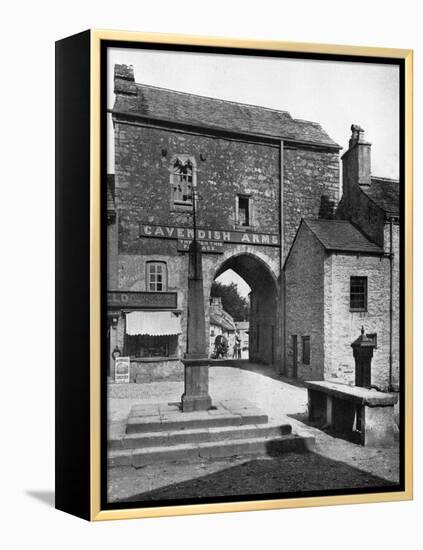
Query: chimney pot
point(125, 80)
point(356, 161)
point(357, 135)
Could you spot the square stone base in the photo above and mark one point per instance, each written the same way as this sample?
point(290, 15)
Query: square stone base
point(190, 403)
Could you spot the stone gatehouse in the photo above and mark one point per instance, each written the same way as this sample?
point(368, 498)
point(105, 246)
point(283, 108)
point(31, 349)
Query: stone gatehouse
point(256, 172)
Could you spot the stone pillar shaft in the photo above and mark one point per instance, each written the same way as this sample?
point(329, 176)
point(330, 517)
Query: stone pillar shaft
point(196, 393)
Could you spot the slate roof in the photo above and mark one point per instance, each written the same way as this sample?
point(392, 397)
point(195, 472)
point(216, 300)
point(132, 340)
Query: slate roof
point(211, 113)
point(385, 193)
point(341, 236)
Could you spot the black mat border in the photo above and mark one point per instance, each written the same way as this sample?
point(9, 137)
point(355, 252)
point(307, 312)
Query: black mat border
point(105, 44)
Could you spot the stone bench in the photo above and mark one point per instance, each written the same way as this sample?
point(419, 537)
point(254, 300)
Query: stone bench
point(344, 408)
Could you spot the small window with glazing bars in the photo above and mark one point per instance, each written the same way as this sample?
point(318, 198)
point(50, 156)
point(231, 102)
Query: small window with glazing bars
point(156, 276)
point(358, 294)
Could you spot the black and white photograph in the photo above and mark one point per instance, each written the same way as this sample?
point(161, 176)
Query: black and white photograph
point(253, 311)
point(210, 275)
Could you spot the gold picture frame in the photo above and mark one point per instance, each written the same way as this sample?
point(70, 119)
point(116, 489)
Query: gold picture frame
point(88, 503)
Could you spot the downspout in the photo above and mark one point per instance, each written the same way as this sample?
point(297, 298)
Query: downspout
point(282, 301)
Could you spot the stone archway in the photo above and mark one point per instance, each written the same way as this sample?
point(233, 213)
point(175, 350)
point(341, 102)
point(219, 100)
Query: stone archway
point(264, 342)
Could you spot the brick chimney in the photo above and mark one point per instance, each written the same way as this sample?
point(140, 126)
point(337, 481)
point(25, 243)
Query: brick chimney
point(125, 80)
point(356, 162)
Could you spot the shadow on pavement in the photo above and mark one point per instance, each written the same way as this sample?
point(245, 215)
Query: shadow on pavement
point(265, 370)
point(289, 473)
point(352, 437)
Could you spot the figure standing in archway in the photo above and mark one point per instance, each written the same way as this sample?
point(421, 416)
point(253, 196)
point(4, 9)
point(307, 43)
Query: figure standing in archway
point(237, 346)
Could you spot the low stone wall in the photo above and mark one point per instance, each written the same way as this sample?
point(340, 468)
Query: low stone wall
point(353, 408)
point(154, 370)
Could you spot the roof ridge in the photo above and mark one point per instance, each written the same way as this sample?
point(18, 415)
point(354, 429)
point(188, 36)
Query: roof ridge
point(312, 122)
point(325, 220)
point(140, 84)
point(215, 113)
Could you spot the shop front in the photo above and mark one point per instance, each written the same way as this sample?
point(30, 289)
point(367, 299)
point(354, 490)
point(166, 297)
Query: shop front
point(144, 327)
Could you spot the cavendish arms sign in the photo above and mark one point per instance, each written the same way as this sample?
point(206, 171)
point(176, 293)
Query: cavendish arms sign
point(211, 239)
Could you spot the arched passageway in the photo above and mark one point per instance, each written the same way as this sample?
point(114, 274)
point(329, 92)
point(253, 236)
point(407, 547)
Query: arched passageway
point(264, 327)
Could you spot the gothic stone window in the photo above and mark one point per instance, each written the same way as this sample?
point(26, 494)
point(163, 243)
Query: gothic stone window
point(156, 276)
point(182, 174)
point(358, 294)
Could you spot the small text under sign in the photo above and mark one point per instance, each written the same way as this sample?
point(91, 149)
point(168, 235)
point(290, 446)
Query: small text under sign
point(211, 247)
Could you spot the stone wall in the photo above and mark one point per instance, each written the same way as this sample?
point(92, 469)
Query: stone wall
point(151, 371)
point(343, 326)
point(361, 210)
point(304, 297)
point(132, 276)
point(357, 207)
point(318, 305)
point(311, 182)
point(143, 159)
point(224, 168)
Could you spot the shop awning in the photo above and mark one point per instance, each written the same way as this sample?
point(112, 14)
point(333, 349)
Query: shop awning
point(153, 323)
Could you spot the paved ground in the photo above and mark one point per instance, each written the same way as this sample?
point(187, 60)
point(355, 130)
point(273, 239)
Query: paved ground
point(335, 463)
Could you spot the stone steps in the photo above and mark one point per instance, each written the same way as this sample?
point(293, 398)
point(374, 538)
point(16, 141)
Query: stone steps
point(268, 446)
point(159, 432)
point(199, 435)
point(173, 421)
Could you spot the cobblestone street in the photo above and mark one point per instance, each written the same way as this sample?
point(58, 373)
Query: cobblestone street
point(335, 463)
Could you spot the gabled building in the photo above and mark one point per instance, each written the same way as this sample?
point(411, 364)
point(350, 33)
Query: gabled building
point(337, 281)
point(343, 274)
point(374, 205)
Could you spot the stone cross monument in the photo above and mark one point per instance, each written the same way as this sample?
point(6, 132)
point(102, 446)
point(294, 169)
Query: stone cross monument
point(196, 395)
